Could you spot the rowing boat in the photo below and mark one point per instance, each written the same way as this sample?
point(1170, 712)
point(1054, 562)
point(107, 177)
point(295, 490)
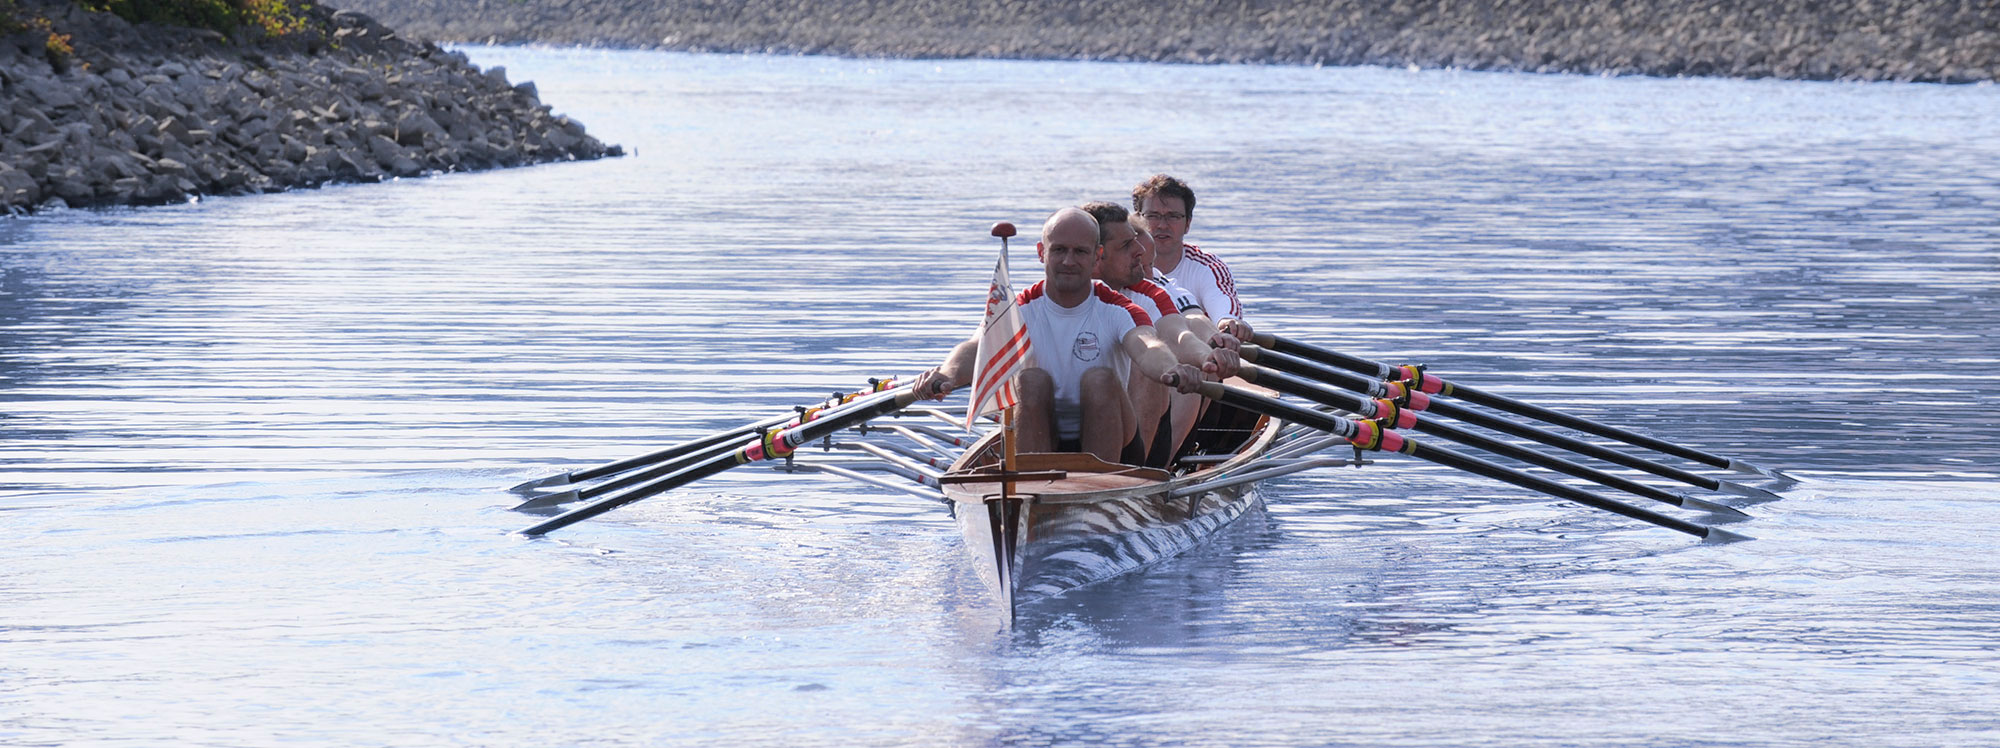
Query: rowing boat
point(1071, 519)
point(1038, 525)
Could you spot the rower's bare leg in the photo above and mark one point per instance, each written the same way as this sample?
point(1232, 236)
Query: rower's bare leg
point(1108, 420)
point(1149, 402)
point(1186, 410)
point(1035, 422)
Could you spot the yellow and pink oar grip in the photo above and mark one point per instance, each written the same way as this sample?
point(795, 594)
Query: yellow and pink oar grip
point(1411, 399)
point(1371, 435)
point(775, 444)
point(1388, 411)
point(1413, 378)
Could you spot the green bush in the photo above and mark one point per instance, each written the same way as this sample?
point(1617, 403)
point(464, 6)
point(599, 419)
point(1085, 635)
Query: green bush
point(56, 45)
point(273, 17)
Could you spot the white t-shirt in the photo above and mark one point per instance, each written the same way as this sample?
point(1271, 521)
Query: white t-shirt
point(1155, 301)
point(1207, 277)
point(1183, 299)
point(1069, 341)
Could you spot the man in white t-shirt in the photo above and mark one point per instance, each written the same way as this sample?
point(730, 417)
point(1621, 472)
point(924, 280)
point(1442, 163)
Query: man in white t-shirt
point(1165, 207)
point(1126, 267)
point(1086, 340)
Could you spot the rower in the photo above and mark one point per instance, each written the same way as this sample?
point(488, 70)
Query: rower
point(1086, 339)
point(1165, 207)
point(1126, 267)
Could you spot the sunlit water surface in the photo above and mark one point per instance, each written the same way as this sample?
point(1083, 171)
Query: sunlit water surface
point(253, 451)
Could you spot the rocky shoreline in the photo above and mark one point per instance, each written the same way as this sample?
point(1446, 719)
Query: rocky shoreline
point(1951, 41)
point(146, 114)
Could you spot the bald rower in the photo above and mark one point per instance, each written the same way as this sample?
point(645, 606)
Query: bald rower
point(1087, 340)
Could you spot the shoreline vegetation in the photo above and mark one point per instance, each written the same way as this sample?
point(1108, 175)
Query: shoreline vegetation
point(1944, 41)
point(147, 102)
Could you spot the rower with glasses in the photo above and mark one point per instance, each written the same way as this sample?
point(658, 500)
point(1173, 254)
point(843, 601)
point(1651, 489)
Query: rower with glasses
point(1165, 208)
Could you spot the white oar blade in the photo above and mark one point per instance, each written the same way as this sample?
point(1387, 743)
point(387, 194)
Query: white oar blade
point(1719, 536)
point(546, 501)
point(1690, 502)
point(540, 483)
point(1748, 492)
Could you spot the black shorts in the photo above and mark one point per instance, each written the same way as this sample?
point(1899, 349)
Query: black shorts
point(1130, 455)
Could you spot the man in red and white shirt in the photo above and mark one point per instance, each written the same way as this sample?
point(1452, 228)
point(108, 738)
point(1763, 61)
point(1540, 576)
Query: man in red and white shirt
point(1165, 207)
point(1124, 266)
point(1086, 339)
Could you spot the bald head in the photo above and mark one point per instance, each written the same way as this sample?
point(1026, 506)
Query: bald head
point(1070, 226)
point(1068, 251)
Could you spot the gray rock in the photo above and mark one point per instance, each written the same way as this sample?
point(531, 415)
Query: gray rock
point(18, 188)
point(52, 94)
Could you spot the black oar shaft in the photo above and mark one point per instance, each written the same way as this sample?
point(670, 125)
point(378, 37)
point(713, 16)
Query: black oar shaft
point(1482, 397)
point(772, 445)
point(684, 461)
point(1310, 368)
point(1349, 429)
point(1471, 464)
point(687, 447)
point(1318, 393)
point(698, 453)
point(691, 446)
point(710, 466)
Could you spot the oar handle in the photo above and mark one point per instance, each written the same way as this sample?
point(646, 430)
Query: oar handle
point(1326, 356)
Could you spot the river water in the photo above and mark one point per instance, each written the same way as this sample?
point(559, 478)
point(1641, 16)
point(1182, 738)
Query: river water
point(253, 451)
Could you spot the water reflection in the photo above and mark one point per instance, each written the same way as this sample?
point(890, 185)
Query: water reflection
point(260, 441)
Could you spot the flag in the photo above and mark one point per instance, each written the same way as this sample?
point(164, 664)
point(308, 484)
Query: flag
point(1003, 348)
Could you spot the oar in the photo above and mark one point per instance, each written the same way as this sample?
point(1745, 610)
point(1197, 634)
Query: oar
point(773, 445)
point(719, 438)
point(1368, 435)
point(547, 500)
point(1420, 401)
point(1435, 385)
point(1404, 418)
point(684, 460)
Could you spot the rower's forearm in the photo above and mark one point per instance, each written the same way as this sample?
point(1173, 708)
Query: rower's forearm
point(1199, 324)
point(1187, 347)
point(1191, 350)
point(958, 364)
point(1157, 361)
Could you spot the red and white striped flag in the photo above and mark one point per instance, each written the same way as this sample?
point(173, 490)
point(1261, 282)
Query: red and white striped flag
point(1003, 348)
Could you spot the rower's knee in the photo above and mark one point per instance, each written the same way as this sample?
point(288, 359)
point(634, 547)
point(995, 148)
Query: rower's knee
point(1036, 426)
point(1101, 383)
point(1105, 401)
point(1034, 385)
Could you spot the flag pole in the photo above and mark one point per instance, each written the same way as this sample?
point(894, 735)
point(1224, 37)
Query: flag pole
point(1008, 444)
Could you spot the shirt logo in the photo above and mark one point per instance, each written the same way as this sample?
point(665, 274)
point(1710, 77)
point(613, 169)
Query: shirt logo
point(1086, 348)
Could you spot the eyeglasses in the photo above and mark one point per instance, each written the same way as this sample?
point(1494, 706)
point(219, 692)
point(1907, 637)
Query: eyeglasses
point(1175, 217)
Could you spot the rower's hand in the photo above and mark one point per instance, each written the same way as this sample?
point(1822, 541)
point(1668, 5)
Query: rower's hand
point(932, 385)
point(1222, 364)
point(1226, 341)
point(1236, 327)
point(1183, 378)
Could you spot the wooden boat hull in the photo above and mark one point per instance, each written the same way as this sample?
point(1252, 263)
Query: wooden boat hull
point(1103, 520)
